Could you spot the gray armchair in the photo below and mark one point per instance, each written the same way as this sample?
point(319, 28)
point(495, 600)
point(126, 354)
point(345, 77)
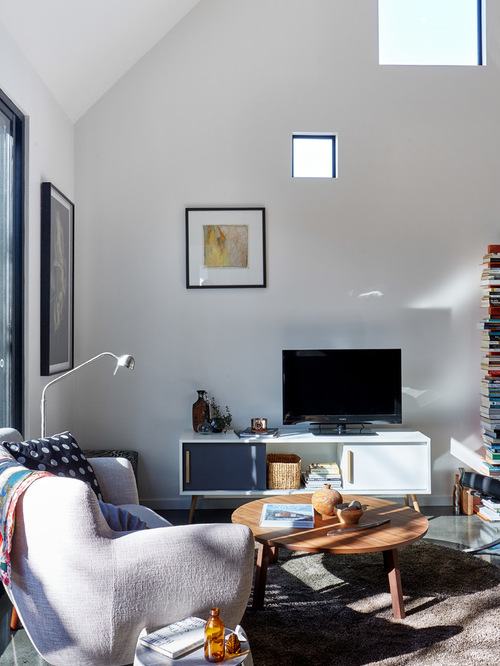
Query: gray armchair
point(84, 592)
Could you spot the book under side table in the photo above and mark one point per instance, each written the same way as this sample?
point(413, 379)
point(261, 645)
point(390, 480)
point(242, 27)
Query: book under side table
point(406, 526)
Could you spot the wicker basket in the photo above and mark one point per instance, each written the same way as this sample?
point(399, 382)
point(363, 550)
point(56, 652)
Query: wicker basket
point(283, 470)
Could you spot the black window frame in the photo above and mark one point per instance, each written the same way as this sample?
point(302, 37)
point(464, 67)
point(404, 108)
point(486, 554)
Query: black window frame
point(18, 121)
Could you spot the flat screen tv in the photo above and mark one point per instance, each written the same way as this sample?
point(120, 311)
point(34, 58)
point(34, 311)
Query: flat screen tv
point(337, 389)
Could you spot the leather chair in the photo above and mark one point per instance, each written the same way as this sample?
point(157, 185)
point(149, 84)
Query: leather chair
point(84, 592)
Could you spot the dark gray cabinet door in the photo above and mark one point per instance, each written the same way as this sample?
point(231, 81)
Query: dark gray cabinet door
point(224, 466)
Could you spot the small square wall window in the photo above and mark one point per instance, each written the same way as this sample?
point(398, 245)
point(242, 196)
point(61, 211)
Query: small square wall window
point(314, 156)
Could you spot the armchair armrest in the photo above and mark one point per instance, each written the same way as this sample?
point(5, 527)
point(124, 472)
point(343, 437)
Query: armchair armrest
point(116, 479)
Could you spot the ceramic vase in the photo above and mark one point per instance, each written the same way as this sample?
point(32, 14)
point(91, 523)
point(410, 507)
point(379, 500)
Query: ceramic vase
point(325, 499)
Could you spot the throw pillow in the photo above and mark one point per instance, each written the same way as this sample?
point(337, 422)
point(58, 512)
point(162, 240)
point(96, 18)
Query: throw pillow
point(121, 520)
point(60, 455)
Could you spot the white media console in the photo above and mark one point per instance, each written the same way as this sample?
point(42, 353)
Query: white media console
point(390, 463)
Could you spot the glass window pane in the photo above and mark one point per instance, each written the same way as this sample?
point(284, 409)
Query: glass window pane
point(429, 32)
point(313, 157)
point(6, 195)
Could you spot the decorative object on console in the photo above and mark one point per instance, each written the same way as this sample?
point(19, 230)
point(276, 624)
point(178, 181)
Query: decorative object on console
point(200, 410)
point(124, 361)
point(225, 247)
point(220, 422)
point(259, 425)
point(283, 470)
point(325, 500)
point(59, 455)
point(56, 281)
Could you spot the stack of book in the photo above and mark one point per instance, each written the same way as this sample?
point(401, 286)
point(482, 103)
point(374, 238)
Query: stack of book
point(490, 363)
point(489, 509)
point(321, 473)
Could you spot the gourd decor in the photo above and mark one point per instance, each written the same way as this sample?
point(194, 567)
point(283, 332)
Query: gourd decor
point(325, 499)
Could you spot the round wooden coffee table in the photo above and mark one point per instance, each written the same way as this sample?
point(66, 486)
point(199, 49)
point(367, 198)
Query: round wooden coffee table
point(405, 527)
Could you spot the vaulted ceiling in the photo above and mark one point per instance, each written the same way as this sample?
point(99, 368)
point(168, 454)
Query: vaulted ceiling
point(80, 48)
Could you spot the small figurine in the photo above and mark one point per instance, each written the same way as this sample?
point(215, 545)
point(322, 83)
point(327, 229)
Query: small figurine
point(233, 645)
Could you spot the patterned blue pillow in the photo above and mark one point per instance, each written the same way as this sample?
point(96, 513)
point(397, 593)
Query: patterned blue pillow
point(60, 455)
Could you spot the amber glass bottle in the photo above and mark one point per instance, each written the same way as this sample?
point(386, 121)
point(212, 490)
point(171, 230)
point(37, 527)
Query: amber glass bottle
point(214, 637)
point(200, 410)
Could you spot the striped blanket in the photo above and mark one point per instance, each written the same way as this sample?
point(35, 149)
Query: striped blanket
point(14, 479)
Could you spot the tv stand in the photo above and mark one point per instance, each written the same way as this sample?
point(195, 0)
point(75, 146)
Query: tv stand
point(394, 463)
point(319, 429)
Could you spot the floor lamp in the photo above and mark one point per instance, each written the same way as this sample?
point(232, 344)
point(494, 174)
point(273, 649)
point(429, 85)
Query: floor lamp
point(124, 361)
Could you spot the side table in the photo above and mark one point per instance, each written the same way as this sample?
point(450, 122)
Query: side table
point(146, 657)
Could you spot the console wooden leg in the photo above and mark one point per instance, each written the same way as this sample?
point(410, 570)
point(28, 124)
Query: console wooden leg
point(194, 499)
point(392, 567)
point(15, 622)
point(415, 502)
point(407, 500)
point(264, 553)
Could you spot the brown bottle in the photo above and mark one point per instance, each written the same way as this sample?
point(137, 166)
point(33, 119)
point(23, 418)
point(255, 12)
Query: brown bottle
point(200, 410)
point(214, 637)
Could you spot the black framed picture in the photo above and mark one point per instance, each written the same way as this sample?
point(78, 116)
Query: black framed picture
point(225, 247)
point(57, 281)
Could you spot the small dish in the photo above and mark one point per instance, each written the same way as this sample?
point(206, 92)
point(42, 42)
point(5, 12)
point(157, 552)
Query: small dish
point(349, 513)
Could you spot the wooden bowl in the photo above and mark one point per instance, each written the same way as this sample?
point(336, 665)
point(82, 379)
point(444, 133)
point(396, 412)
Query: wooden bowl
point(349, 516)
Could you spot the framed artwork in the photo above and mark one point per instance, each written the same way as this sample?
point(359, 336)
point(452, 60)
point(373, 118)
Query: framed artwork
point(225, 247)
point(57, 281)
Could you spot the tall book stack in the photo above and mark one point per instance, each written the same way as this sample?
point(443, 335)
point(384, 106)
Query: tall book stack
point(490, 363)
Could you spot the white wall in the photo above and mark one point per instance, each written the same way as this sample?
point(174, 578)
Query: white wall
point(50, 157)
point(205, 119)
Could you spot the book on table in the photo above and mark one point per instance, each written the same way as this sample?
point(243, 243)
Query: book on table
point(287, 515)
point(178, 638)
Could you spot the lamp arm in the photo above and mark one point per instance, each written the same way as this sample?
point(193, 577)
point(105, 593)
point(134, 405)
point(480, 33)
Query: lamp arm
point(70, 372)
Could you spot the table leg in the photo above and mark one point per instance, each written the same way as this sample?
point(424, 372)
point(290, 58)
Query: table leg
point(275, 551)
point(391, 564)
point(264, 554)
point(194, 499)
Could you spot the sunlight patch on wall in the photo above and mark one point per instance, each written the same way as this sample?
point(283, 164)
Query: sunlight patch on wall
point(459, 290)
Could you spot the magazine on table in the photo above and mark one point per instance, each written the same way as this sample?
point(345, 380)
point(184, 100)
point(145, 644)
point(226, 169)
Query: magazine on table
point(287, 515)
point(178, 638)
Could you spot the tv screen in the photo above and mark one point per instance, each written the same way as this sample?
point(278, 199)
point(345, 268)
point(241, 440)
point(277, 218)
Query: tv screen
point(332, 388)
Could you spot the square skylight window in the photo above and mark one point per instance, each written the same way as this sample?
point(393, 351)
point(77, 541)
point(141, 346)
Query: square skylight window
point(430, 32)
point(314, 156)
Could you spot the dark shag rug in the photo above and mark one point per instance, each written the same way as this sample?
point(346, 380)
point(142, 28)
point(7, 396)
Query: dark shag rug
point(323, 610)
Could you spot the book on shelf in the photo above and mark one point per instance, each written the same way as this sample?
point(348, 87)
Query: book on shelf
point(318, 485)
point(487, 469)
point(492, 441)
point(248, 434)
point(491, 445)
point(486, 514)
point(491, 503)
point(492, 457)
point(489, 423)
point(287, 515)
point(324, 468)
point(490, 401)
point(178, 638)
